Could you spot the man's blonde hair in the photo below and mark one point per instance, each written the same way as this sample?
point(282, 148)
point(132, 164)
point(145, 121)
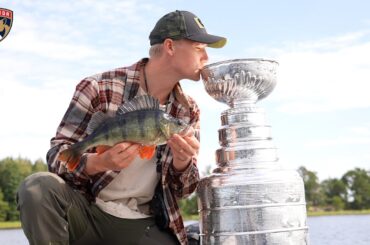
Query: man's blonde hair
point(155, 50)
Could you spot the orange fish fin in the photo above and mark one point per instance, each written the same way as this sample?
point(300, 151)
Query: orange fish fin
point(72, 164)
point(102, 148)
point(71, 158)
point(147, 151)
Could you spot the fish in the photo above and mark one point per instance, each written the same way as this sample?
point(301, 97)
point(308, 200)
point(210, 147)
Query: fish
point(139, 120)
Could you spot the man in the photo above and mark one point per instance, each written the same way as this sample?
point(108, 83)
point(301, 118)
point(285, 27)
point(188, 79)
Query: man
point(110, 195)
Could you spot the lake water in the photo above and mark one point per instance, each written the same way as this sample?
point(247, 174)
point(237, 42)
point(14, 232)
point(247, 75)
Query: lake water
point(324, 230)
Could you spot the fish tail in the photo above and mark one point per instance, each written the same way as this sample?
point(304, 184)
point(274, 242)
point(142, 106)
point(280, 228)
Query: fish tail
point(71, 157)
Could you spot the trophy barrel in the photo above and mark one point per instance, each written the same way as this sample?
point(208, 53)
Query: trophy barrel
point(249, 198)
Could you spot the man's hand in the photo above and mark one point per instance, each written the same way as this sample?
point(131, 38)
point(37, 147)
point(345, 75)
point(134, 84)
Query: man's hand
point(116, 158)
point(184, 148)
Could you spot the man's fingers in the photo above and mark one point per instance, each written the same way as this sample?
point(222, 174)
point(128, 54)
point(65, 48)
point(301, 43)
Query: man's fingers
point(120, 147)
point(193, 142)
point(188, 132)
point(184, 146)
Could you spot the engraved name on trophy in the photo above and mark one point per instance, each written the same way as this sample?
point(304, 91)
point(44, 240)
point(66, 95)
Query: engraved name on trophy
point(249, 198)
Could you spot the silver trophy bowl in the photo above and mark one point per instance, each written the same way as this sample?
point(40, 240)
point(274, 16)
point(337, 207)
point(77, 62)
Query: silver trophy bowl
point(240, 80)
point(249, 198)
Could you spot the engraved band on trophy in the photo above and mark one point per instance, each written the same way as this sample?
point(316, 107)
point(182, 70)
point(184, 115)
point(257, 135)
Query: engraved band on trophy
point(249, 198)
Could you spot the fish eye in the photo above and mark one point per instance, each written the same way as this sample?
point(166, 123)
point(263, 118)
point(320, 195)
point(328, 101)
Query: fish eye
point(180, 122)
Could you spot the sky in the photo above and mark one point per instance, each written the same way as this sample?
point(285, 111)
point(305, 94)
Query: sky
point(319, 109)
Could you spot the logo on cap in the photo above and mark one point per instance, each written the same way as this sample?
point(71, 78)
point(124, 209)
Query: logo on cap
point(199, 22)
point(6, 21)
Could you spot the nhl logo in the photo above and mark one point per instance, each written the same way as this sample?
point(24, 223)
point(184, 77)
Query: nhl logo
point(6, 21)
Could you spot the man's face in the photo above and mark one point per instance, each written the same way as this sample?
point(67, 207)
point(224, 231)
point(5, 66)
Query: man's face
point(189, 58)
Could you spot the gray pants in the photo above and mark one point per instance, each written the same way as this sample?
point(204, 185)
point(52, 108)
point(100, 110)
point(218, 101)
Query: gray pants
point(53, 213)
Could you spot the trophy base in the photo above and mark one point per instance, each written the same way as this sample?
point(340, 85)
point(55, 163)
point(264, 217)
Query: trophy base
point(263, 204)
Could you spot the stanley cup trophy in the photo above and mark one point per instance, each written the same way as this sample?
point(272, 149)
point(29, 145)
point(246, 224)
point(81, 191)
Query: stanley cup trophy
point(249, 198)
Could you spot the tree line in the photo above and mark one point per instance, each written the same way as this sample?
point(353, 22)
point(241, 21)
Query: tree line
point(351, 191)
point(12, 172)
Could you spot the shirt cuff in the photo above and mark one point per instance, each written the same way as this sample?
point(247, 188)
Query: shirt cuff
point(185, 172)
point(80, 169)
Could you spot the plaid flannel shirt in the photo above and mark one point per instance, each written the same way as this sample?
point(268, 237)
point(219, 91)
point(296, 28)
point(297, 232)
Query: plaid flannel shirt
point(106, 92)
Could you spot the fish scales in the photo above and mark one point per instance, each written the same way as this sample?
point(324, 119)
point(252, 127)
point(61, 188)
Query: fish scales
point(138, 126)
point(141, 123)
point(144, 126)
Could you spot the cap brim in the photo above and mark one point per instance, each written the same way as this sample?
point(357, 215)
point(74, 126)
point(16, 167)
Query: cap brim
point(211, 40)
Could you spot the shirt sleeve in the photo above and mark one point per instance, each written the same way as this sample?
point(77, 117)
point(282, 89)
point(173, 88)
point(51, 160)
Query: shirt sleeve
point(184, 183)
point(72, 128)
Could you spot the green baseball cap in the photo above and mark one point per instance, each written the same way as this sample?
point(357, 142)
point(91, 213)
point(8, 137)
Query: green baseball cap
point(183, 25)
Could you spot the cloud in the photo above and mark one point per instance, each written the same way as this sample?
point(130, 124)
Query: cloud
point(79, 30)
point(339, 141)
point(30, 117)
point(324, 75)
point(330, 43)
point(49, 48)
point(361, 130)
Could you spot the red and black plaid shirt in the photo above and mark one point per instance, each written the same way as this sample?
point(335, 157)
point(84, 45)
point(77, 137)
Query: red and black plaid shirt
point(106, 92)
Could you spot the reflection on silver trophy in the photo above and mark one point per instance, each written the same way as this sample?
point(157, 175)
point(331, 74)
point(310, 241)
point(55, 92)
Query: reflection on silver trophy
point(249, 198)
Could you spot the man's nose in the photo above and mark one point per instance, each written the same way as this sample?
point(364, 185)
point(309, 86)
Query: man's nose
point(205, 57)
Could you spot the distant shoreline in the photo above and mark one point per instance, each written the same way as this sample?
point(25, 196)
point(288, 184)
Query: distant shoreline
point(342, 212)
point(17, 224)
point(10, 225)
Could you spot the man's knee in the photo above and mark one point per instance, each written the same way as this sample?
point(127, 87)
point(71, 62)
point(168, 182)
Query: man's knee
point(34, 189)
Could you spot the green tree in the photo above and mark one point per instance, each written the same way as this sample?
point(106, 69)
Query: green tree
point(189, 206)
point(336, 193)
point(313, 193)
point(12, 172)
point(338, 203)
point(39, 166)
point(4, 207)
point(358, 188)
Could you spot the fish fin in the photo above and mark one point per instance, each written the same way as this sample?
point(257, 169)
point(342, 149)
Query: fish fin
point(71, 157)
point(97, 119)
point(143, 102)
point(147, 151)
point(102, 148)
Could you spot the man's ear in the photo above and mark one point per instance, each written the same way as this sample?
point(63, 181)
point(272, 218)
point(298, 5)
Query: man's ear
point(168, 45)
